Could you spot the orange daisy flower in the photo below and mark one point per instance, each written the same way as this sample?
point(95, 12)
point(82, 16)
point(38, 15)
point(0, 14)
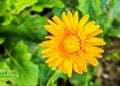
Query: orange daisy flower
point(72, 43)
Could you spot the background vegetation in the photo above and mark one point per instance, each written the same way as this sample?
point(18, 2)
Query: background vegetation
point(22, 29)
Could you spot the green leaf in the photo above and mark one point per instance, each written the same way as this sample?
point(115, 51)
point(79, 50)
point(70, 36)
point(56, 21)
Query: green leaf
point(114, 31)
point(6, 73)
point(58, 13)
point(105, 23)
point(44, 74)
point(37, 55)
point(84, 79)
point(2, 40)
point(38, 30)
point(90, 7)
point(115, 12)
point(27, 26)
point(27, 70)
point(47, 4)
point(20, 5)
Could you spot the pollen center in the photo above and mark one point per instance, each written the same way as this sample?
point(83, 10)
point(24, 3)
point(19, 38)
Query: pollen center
point(71, 44)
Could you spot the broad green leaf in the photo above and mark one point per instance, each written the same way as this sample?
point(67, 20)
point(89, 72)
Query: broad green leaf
point(5, 18)
point(44, 74)
point(6, 73)
point(20, 5)
point(27, 71)
point(41, 4)
point(27, 26)
point(38, 30)
point(58, 13)
point(10, 7)
point(37, 55)
point(90, 7)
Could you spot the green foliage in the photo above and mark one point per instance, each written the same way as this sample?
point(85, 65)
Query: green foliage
point(27, 70)
point(114, 32)
point(41, 4)
point(2, 40)
point(22, 29)
point(6, 73)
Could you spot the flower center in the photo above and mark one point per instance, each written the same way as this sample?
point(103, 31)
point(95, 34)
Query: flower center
point(71, 44)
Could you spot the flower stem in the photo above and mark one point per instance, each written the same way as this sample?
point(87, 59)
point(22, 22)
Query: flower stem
point(53, 78)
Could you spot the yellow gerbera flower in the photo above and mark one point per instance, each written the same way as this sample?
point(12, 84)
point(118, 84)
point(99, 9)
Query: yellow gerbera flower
point(72, 43)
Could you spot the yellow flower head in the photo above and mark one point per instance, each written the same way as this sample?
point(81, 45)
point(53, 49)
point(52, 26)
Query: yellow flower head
point(72, 44)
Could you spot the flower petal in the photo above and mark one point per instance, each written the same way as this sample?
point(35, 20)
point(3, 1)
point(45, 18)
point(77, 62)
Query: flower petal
point(58, 21)
point(49, 54)
point(51, 58)
point(75, 18)
point(82, 32)
point(51, 30)
point(83, 21)
point(55, 27)
point(82, 64)
point(95, 41)
point(94, 50)
point(91, 29)
point(56, 63)
point(95, 33)
point(70, 18)
point(77, 68)
point(68, 67)
point(65, 19)
point(92, 60)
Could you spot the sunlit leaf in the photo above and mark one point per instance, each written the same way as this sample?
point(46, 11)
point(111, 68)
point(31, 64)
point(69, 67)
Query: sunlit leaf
point(47, 4)
point(19, 5)
point(27, 70)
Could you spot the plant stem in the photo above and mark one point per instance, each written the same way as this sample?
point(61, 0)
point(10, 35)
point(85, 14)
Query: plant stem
point(53, 78)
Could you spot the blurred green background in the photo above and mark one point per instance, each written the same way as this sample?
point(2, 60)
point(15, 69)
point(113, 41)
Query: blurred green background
point(22, 29)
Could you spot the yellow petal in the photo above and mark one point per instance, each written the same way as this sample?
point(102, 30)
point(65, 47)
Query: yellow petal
point(98, 55)
point(94, 50)
point(91, 29)
point(50, 49)
point(77, 69)
point(68, 67)
point(75, 18)
point(82, 32)
point(65, 19)
point(49, 54)
point(95, 33)
point(47, 43)
point(51, 58)
point(51, 30)
point(56, 63)
point(70, 18)
point(49, 37)
point(95, 41)
point(61, 67)
point(92, 60)
point(82, 64)
point(55, 26)
point(82, 21)
point(88, 26)
point(58, 21)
